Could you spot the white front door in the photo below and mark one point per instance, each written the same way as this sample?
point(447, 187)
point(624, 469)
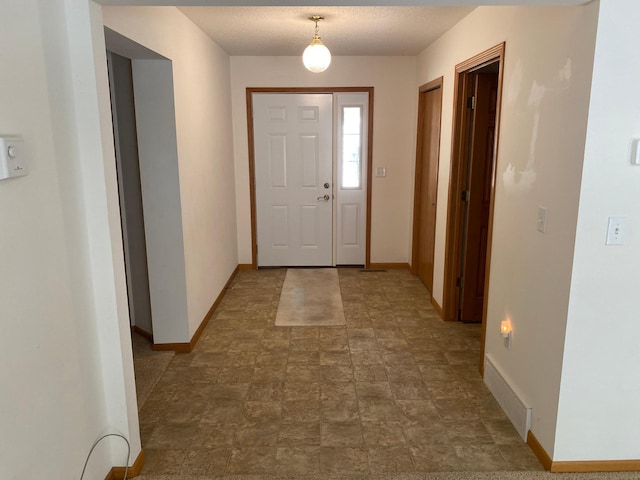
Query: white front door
point(292, 136)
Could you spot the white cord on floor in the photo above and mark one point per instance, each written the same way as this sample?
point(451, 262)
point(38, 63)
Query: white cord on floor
point(126, 469)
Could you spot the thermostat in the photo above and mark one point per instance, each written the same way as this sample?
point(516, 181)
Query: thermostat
point(12, 158)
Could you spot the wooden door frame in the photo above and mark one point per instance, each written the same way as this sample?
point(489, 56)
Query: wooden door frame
point(427, 87)
point(455, 208)
point(252, 169)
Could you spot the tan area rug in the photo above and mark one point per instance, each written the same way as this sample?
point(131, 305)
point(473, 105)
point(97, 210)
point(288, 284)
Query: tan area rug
point(310, 298)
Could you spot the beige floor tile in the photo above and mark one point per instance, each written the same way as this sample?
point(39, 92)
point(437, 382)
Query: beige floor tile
point(420, 411)
point(425, 433)
point(502, 432)
point(257, 434)
point(223, 411)
point(173, 435)
point(269, 373)
point(335, 434)
point(410, 391)
point(344, 460)
point(265, 392)
point(519, 457)
point(252, 460)
point(300, 411)
point(229, 391)
point(298, 460)
point(213, 435)
point(394, 390)
point(262, 411)
point(383, 434)
point(205, 461)
point(374, 390)
point(301, 433)
point(339, 410)
point(302, 391)
point(390, 460)
point(336, 373)
point(378, 410)
point(370, 373)
point(162, 461)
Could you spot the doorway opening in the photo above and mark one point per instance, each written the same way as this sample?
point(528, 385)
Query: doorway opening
point(310, 175)
point(478, 88)
point(426, 182)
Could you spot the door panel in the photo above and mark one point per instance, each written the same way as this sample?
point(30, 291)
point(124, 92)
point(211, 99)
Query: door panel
point(427, 184)
point(481, 164)
point(293, 160)
point(350, 214)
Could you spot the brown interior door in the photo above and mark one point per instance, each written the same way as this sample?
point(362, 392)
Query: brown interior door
point(479, 186)
point(431, 105)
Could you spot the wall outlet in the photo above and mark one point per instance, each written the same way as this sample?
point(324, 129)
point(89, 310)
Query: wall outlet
point(616, 230)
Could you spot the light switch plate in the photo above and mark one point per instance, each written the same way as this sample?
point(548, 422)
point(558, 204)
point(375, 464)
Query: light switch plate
point(635, 151)
point(12, 158)
point(381, 172)
point(542, 219)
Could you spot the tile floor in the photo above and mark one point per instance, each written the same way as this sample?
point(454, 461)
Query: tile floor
point(395, 390)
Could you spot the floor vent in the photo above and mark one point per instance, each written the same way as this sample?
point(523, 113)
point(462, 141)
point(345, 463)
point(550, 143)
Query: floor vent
point(372, 270)
point(511, 402)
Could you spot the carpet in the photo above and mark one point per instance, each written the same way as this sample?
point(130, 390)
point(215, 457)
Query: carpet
point(310, 298)
point(415, 476)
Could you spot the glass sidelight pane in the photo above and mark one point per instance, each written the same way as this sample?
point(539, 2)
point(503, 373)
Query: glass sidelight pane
point(351, 147)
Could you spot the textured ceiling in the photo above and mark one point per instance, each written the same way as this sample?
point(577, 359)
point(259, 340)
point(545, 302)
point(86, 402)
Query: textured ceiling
point(345, 30)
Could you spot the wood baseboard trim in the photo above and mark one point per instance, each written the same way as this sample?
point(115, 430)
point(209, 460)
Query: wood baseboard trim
point(117, 473)
point(142, 333)
point(245, 266)
point(592, 466)
point(188, 347)
point(538, 450)
point(389, 266)
point(437, 307)
point(587, 466)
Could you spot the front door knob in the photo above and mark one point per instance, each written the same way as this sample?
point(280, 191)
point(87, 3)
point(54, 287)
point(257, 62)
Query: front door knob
point(325, 197)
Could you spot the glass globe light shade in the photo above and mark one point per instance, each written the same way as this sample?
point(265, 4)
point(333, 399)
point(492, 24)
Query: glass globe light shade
point(316, 56)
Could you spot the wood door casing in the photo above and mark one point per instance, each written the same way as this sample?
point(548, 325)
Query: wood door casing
point(426, 181)
point(252, 171)
point(459, 143)
point(479, 187)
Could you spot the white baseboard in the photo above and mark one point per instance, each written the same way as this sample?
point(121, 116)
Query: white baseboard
point(511, 402)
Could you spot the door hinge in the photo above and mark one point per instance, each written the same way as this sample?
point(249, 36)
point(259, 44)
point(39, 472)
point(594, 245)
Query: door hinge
point(460, 282)
point(466, 196)
point(471, 102)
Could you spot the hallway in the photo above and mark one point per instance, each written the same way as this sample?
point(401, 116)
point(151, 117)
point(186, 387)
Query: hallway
point(396, 390)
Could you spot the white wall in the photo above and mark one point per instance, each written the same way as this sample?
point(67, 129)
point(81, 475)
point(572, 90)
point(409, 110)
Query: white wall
point(160, 185)
point(547, 72)
point(394, 126)
point(65, 329)
point(204, 143)
point(598, 417)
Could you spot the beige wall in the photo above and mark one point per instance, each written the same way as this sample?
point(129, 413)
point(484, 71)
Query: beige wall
point(547, 72)
point(393, 79)
point(204, 145)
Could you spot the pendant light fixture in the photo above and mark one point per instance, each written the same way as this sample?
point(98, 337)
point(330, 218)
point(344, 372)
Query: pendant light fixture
point(316, 56)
